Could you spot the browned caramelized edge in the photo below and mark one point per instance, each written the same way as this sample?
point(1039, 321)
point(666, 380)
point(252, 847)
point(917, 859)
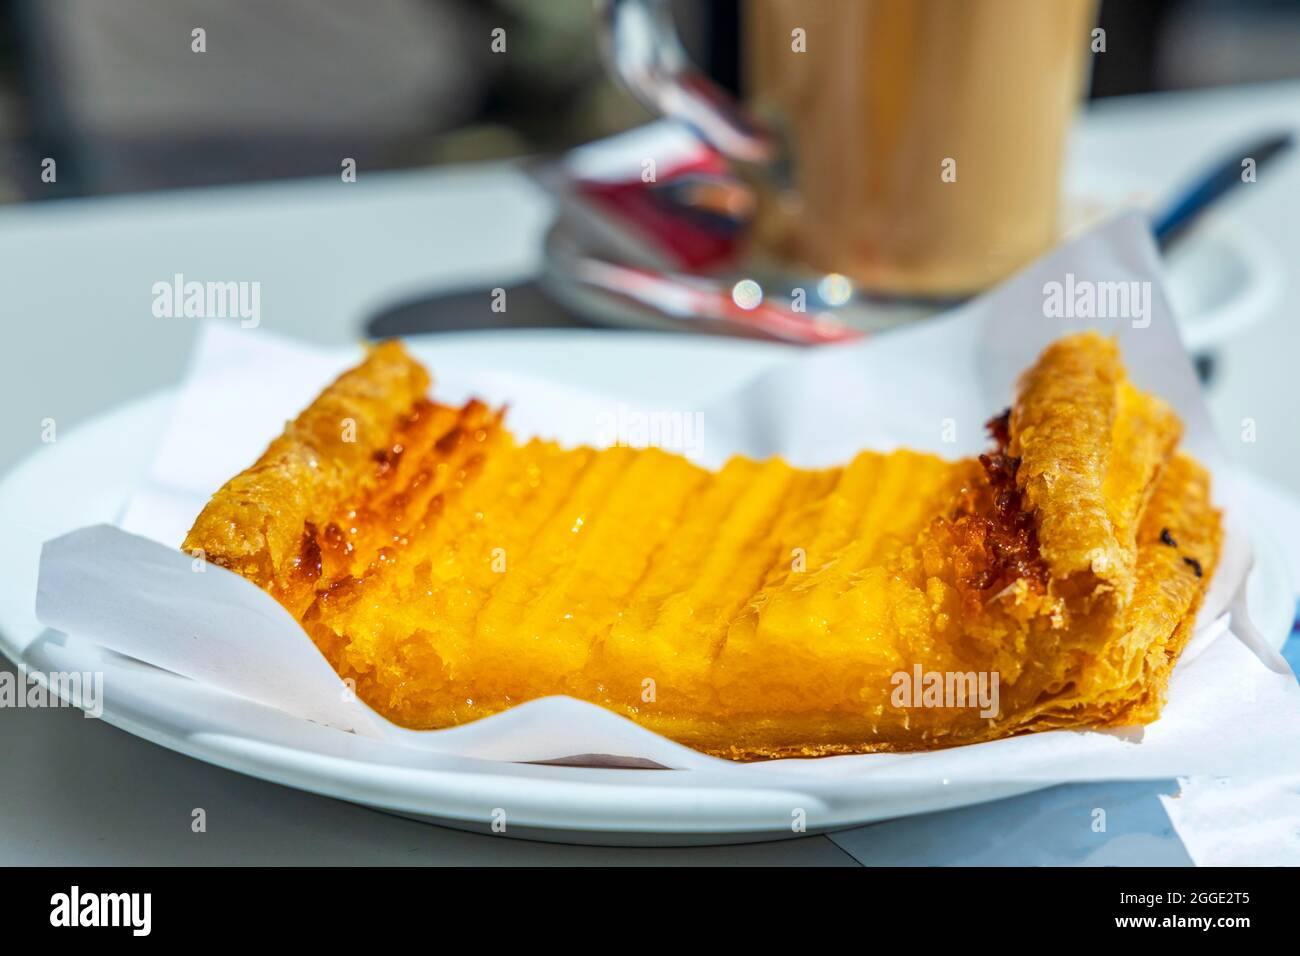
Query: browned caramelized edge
point(993, 532)
point(391, 505)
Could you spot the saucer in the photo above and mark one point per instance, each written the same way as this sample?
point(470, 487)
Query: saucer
point(1220, 278)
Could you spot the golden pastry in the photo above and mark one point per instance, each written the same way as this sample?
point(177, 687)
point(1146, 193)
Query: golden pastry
point(900, 602)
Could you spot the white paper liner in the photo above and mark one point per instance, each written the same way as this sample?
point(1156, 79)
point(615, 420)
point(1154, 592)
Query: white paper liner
point(129, 590)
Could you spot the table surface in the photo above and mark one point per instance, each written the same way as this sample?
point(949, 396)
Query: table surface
point(77, 279)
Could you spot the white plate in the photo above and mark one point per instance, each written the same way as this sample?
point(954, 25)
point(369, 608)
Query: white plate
point(87, 475)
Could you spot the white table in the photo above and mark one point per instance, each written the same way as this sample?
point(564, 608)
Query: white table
point(75, 297)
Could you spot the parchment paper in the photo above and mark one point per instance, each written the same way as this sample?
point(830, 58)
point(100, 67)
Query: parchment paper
point(1233, 704)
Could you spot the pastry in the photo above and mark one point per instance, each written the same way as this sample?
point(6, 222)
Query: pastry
point(899, 602)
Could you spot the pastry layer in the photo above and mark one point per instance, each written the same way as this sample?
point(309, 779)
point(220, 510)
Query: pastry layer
point(757, 611)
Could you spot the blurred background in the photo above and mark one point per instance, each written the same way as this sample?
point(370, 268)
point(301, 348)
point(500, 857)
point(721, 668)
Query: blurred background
point(105, 86)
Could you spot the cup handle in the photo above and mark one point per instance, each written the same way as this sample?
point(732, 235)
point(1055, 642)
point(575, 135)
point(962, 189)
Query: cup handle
point(641, 48)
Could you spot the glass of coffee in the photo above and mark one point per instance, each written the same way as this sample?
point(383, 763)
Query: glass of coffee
point(913, 146)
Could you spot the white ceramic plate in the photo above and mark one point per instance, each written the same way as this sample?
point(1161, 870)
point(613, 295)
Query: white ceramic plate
point(88, 474)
